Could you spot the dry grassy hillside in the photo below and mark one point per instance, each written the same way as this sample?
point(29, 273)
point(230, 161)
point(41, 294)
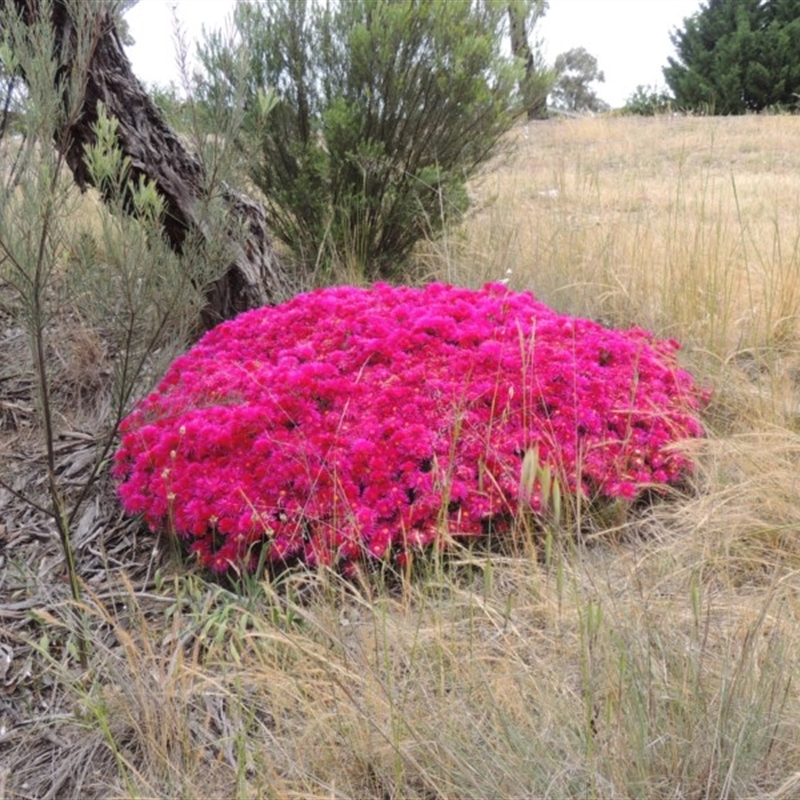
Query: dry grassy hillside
point(654, 658)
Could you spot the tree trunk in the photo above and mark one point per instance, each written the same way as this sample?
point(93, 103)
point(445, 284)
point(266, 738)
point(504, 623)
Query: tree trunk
point(254, 277)
point(519, 36)
point(535, 102)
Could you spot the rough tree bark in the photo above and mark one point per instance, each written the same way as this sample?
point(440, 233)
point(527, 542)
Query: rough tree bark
point(254, 277)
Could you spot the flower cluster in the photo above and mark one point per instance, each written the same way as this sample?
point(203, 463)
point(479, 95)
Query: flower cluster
point(351, 423)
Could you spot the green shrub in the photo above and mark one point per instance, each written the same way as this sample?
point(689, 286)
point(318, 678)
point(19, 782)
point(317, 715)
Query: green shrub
point(380, 111)
point(648, 101)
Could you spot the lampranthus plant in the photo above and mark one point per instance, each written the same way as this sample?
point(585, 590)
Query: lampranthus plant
point(360, 423)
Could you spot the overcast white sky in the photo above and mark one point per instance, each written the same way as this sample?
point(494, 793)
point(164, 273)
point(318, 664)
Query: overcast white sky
point(630, 38)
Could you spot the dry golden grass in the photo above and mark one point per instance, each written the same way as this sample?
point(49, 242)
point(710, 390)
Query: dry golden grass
point(688, 226)
point(656, 661)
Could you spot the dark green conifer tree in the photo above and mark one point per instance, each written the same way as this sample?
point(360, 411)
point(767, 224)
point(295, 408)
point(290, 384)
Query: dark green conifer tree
point(737, 56)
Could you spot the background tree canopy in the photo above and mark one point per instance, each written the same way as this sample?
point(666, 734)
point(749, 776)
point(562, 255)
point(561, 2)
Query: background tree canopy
point(577, 70)
point(735, 56)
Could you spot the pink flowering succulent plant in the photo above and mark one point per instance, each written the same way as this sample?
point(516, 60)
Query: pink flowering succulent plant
point(362, 423)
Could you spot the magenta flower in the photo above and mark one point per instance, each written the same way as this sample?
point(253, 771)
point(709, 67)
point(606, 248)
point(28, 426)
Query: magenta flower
point(360, 423)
